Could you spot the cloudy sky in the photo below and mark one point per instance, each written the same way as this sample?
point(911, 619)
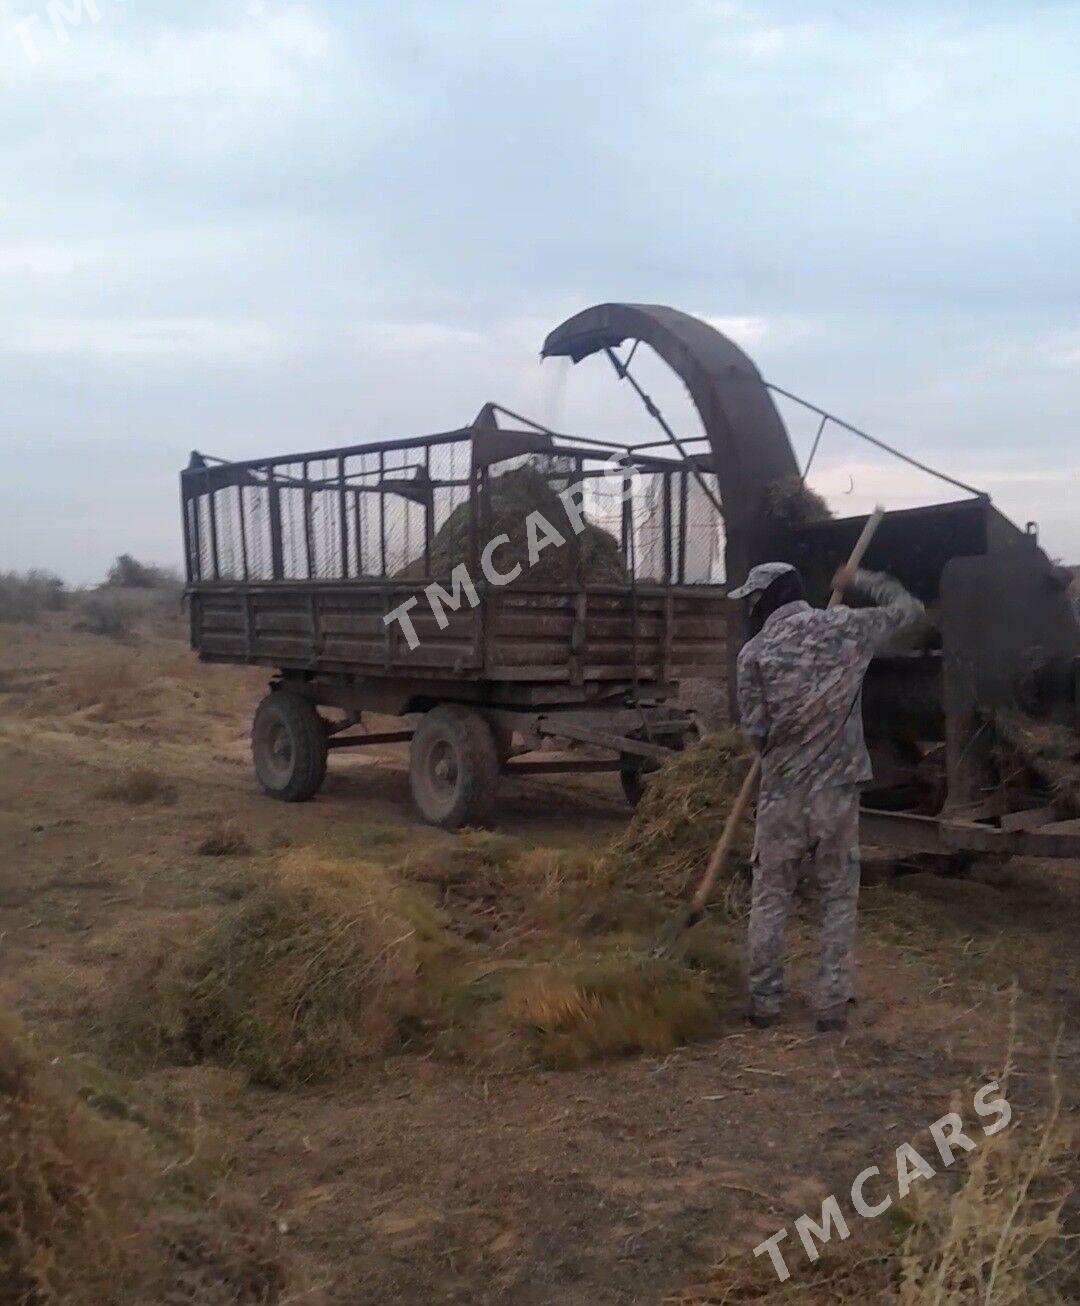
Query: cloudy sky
point(251, 228)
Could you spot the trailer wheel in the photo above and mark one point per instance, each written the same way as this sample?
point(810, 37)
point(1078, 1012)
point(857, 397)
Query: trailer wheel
point(288, 744)
point(454, 767)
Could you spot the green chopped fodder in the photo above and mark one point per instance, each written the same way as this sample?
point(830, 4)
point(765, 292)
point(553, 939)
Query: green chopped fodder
point(310, 973)
point(592, 556)
point(791, 503)
point(681, 815)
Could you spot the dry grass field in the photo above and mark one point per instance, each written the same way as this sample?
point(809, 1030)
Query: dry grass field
point(320, 1053)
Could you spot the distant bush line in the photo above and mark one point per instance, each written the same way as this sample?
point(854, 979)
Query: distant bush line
point(25, 595)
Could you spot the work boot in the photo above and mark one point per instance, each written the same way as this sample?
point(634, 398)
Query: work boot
point(763, 1019)
point(833, 1021)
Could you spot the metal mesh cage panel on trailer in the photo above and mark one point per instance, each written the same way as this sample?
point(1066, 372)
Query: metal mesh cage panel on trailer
point(405, 512)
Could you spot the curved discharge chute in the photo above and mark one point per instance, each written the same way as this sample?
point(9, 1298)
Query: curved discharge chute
point(749, 443)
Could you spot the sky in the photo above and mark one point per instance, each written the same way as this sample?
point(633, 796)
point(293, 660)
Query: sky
point(258, 228)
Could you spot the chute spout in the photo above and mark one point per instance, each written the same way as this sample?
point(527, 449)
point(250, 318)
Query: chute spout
point(750, 446)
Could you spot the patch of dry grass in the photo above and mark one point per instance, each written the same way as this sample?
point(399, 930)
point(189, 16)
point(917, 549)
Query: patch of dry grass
point(545, 970)
point(333, 961)
point(225, 838)
point(577, 1010)
point(105, 614)
point(558, 891)
point(69, 1195)
point(475, 862)
point(107, 686)
point(85, 1214)
point(490, 883)
point(139, 785)
point(993, 1237)
point(218, 1258)
point(107, 682)
point(149, 690)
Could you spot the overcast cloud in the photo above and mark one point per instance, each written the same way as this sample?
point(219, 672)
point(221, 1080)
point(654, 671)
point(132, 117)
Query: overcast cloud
point(256, 227)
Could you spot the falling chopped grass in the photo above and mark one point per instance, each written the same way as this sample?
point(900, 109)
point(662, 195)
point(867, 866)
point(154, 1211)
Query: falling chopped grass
point(681, 815)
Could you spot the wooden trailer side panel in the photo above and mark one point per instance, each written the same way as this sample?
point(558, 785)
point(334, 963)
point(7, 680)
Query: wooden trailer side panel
point(659, 634)
point(330, 627)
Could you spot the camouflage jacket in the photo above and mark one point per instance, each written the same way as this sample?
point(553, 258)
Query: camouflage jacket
point(800, 686)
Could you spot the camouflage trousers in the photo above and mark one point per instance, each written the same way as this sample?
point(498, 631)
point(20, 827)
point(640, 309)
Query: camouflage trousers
point(824, 827)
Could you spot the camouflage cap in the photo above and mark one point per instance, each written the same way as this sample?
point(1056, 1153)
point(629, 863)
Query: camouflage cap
point(760, 578)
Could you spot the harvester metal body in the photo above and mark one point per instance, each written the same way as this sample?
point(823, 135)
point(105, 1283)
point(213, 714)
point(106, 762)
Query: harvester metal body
point(997, 666)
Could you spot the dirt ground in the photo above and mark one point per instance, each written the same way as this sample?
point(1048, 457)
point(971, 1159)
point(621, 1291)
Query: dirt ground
point(426, 1179)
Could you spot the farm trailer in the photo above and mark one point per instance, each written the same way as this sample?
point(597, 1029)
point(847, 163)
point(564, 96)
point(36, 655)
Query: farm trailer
point(296, 563)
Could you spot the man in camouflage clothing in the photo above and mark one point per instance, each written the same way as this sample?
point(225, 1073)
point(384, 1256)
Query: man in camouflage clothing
point(800, 705)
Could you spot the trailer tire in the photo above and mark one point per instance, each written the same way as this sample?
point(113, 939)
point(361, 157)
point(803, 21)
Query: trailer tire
point(288, 745)
point(454, 767)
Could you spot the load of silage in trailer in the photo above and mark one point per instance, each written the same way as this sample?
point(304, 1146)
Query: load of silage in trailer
point(593, 556)
point(679, 819)
point(791, 503)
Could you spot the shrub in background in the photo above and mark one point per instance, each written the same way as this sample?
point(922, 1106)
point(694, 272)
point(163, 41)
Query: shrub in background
point(129, 573)
point(23, 595)
point(104, 615)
